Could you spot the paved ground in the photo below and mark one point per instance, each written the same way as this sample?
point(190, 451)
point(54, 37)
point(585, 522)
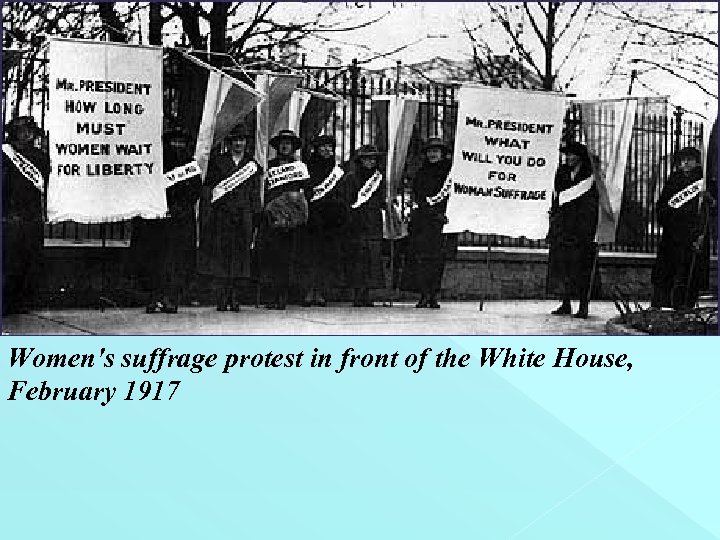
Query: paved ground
point(522, 317)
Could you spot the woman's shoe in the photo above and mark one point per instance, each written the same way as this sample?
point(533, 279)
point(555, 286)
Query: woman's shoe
point(563, 309)
point(582, 312)
point(169, 307)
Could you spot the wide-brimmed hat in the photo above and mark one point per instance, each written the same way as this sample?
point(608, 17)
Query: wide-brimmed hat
point(324, 139)
point(435, 142)
point(367, 150)
point(289, 135)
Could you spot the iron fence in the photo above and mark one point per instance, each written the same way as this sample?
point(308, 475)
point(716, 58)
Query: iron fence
point(656, 137)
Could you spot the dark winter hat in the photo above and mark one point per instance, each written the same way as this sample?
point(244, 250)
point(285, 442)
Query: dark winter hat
point(288, 135)
point(435, 142)
point(575, 148)
point(580, 150)
point(177, 133)
point(238, 132)
point(687, 152)
point(367, 150)
point(324, 139)
point(19, 122)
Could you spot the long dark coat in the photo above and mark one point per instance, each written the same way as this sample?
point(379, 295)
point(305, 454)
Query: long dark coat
point(226, 226)
point(681, 227)
point(320, 243)
point(364, 234)
point(276, 245)
point(22, 218)
point(162, 251)
point(426, 246)
point(572, 236)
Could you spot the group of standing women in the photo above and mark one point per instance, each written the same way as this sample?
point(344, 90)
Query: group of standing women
point(684, 211)
point(305, 235)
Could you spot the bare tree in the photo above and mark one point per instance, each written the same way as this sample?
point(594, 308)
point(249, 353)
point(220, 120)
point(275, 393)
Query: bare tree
point(112, 23)
point(679, 40)
point(248, 31)
point(541, 36)
point(26, 23)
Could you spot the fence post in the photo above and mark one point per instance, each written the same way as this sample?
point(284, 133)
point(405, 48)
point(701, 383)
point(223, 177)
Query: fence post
point(354, 92)
point(678, 114)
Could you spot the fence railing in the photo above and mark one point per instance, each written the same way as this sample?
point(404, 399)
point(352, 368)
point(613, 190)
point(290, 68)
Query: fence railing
point(656, 137)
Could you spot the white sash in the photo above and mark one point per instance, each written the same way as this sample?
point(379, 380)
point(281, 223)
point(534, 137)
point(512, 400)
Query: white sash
point(178, 174)
point(328, 184)
point(368, 189)
point(442, 194)
point(233, 181)
point(572, 193)
point(687, 194)
point(283, 174)
point(25, 166)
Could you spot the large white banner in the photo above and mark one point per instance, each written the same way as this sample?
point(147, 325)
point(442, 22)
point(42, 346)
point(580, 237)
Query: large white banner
point(105, 126)
point(506, 154)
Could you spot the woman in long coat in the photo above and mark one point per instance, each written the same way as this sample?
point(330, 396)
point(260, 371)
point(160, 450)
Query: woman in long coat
point(320, 242)
point(425, 260)
point(162, 250)
point(573, 224)
point(685, 242)
point(364, 190)
point(22, 215)
point(226, 224)
point(285, 210)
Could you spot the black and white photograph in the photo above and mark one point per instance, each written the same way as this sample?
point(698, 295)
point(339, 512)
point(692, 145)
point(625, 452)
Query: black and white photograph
point(359, 168)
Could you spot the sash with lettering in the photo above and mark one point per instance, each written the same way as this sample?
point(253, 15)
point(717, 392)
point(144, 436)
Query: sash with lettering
point(178, 174)
point(442, 194)
point(328, 184)
point(572, 193)
point(233, 181)
point(368, 189)
point(284, 174)
point(686, 195)
point(25, 166)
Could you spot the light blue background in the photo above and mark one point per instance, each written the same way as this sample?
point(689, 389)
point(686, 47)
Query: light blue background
point(370, 453)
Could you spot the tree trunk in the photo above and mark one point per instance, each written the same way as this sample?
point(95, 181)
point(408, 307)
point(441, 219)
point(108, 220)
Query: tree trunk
point(156, 23)
point(218, 26)
point(190, 17)
point(548, 77)
point(114, 27)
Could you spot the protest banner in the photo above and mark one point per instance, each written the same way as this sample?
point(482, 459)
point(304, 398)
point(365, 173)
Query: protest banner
point(608, 144)
point(105, 127)
point(395, 118)
point(505, 157)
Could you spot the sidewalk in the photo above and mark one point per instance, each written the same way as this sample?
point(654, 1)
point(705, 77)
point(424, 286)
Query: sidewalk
point(521, 317)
